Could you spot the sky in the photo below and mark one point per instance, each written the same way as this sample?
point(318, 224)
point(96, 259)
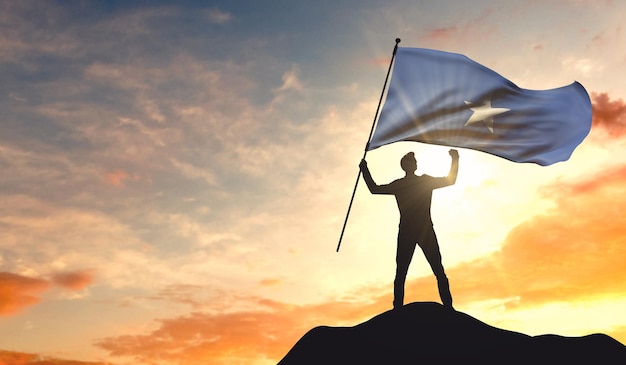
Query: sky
point(176, 176)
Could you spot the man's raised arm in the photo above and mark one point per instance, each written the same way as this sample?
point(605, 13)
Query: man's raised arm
point(454, 166)
point(371, 185)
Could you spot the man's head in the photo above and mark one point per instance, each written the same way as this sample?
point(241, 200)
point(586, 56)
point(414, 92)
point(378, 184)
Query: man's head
point(408, 163)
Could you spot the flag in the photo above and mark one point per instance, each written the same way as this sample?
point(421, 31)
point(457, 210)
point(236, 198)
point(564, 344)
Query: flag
point(448, 99)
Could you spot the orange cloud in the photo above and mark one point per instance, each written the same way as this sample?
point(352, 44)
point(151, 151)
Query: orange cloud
point(266, 333)
point(609, 114)
point(18, 292)
point(116, 178)
point(441, 34)
point(461, 32)
point(270, 282)
point(592, 186)
point(73, 280)
point(182, 294)
point(21, 358)
point(380, 61)
point(119, 178)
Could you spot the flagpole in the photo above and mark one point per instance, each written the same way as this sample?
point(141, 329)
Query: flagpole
point(358, 176)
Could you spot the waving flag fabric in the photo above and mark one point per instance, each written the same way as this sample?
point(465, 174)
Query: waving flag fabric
point(448, 99)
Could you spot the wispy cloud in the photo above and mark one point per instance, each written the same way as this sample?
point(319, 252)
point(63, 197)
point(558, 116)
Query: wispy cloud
point(119, 178)
point(24, 358)
point(218, 16)
point(582, 66)
point(73, 280)
point(291, 82)
point(264, 334)
point(466, 29)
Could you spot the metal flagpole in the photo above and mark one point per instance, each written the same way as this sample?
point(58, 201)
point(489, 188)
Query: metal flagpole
point(358, 176)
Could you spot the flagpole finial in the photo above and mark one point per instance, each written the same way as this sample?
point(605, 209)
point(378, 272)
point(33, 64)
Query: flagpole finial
point(397, 40)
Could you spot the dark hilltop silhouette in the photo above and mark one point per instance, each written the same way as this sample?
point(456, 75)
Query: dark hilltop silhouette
point(429, 333)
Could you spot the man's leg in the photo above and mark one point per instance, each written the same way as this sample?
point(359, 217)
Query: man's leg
point(404, 254)
point(430, 247)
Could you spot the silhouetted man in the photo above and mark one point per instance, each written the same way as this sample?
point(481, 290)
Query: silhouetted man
point(414, 194)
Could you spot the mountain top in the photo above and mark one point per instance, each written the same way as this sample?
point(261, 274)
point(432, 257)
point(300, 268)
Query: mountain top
point(429, 332)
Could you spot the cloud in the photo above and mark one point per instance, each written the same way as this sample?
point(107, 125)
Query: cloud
point(610, 115)
point(18, 292)
point(40, 238)
point(73, 280)
point(217, 16)
point(600, 182)
point(196, 296)
point(191, 123)
point(607, 37)
point(265, 333)
point(291, 81)
point(193, 172)
point(586, 67)
point(442, 34)
point(23, 358)
point(116, 177)
point(270, 281)
point(468, 29)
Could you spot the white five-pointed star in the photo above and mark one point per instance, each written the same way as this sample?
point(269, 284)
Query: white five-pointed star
point(484, 113)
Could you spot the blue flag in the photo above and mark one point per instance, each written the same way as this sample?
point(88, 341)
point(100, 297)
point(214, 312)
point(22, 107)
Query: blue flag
point(448, 99)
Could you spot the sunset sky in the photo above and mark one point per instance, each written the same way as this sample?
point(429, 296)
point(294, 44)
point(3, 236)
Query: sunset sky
point(175, 176)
